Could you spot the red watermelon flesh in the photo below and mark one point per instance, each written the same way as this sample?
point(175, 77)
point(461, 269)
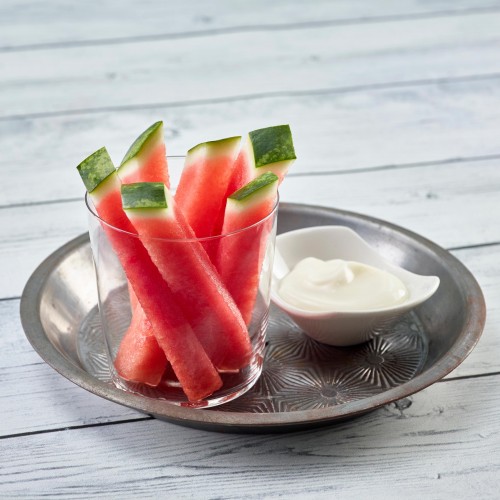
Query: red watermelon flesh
point(139, 357)
point(193, 368)
point(242, 172)
point(203, 184)
point(190, 274)
point(132, 297)
point(173, 333)
point(241, 254)
point(146, 160)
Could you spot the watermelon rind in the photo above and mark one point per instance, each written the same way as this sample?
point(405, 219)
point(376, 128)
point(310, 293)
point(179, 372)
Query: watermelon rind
point(144, 143)
point(272, 145)
point(143, 195)
point(95, 168)
point(214, 148)
point(267, 149)
point(240, 255)
point(253, 187)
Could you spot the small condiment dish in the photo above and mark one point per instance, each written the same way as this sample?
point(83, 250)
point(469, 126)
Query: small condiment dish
point(342, 328)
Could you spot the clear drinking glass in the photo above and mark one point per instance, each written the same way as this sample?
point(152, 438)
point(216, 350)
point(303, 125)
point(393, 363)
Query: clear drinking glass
point(119, 313)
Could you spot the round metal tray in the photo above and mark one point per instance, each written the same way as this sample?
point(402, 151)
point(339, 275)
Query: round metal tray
point(304, 384)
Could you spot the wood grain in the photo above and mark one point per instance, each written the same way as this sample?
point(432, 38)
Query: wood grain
point(154, 458)
point(333, 132)
point(167, 71)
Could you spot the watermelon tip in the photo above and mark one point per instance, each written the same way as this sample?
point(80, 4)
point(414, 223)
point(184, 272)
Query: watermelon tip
point(95, 169)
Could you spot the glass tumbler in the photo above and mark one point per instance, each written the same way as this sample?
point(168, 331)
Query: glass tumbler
point(196, 336)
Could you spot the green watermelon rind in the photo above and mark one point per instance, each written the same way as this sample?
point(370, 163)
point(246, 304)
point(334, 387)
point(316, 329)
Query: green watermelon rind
point(254, 187)
point(95, 169)
point(144, 143)
point(253, 193)
point(272, 145)
point(214, 148)
point(144, 195)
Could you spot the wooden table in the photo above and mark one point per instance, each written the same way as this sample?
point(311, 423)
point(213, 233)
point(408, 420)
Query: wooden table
point(395, 110)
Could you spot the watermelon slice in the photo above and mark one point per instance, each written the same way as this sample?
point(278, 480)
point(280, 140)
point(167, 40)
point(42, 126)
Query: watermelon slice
point(139, 357)
point(202, 188)
point(240, 254)
point(145, 160)
point(193, 368)
point(189, 273)
point(264, 150)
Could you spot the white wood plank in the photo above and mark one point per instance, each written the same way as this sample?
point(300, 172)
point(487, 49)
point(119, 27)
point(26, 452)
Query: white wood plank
point(436, 201)
point(247, 63)
point(34, 397)
point(54, 22)
point(443, 445)
point(332, 132)
point(485, 266)
point(32, 234)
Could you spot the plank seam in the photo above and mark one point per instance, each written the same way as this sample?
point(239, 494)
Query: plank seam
point(396, 166)
point(478, 245)
point(376, 168)
point(252, 97)
point(464, 377)
point(42, 202)
point(143, 419)
point(230, 30)
point(74, 427)
point(6, 299)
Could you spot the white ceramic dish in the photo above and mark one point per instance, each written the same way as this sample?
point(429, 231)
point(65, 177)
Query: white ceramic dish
point(341, 328)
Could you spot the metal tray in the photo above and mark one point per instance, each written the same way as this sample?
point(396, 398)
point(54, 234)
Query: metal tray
point(304, 384)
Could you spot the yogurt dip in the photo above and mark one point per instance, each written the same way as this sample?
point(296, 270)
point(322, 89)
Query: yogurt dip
point(340, 285)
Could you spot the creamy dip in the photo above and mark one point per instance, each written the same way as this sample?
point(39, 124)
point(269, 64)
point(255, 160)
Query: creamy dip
point(340, 285)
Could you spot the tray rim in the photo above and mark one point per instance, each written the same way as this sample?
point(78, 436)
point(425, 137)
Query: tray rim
point(224, 421)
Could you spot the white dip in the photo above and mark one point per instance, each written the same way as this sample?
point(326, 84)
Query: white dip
point(340, 285)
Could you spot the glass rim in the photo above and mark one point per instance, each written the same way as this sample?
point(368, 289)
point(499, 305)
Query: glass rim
point(91, 209)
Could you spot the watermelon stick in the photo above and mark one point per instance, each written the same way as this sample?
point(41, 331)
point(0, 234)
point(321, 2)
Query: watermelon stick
point(240, 255)
point(202, 188)
point(193, 368)
point(144, 161)
point(267, 149)
point(139, 357)
point(191, 276)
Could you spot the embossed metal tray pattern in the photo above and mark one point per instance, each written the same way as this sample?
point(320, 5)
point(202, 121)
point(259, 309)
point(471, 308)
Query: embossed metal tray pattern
point(303, 384)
